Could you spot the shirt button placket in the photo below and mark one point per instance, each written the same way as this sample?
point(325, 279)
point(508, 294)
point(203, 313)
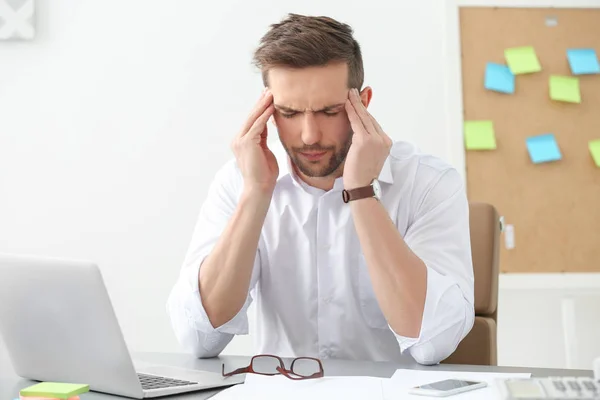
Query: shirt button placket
point(324, 279)
point(319, 262)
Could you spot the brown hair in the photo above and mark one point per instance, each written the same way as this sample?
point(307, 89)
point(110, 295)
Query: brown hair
point(301, 41)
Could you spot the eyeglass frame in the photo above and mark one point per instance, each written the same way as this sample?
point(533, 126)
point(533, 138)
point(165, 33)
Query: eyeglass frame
point(281, 370)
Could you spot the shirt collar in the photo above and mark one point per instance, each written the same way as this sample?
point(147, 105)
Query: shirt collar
point(286, 168)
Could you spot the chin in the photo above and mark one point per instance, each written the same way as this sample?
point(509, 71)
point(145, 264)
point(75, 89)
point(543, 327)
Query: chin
point(315, 170)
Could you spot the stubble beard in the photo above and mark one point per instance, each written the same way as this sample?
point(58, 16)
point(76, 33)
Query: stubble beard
point(313, 170)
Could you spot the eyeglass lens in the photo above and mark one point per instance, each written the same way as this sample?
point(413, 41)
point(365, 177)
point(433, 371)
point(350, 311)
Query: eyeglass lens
point(265, 365)
point(305, 367)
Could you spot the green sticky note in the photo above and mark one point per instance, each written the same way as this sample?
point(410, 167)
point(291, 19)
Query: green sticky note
point(595, 150)
point(55, 390)
point(479, 135)
point(522, 60)
point(565, 88)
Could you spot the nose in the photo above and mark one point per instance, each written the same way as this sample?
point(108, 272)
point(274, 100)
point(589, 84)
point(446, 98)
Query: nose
point(311, 134)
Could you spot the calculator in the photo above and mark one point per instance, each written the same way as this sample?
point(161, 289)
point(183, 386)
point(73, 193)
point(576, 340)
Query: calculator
point(551, 388)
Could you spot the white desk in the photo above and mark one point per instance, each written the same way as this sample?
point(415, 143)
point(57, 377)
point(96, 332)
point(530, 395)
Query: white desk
point(10, 384)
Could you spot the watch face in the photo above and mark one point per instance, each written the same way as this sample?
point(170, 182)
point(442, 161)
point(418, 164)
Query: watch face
point(376, 188)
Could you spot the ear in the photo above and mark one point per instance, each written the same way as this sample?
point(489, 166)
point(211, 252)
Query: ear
point(366, 95)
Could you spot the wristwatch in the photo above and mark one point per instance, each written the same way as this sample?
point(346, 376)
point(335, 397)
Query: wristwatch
point(372, 190)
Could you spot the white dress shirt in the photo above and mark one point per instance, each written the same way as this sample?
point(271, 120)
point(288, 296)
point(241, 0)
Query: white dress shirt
point(310, 281)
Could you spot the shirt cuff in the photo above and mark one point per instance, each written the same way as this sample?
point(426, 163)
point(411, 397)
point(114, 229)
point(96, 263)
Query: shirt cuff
point(433, 322)
point(196, 314)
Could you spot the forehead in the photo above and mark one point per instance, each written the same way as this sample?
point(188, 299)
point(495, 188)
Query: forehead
point(309, 88)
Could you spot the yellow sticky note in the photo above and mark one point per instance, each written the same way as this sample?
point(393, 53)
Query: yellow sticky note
point(522, 60)
point(595, 150)
point(479, 135)
point(55, 390)
point(565, 88)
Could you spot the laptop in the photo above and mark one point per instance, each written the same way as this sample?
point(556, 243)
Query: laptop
point(58, 324)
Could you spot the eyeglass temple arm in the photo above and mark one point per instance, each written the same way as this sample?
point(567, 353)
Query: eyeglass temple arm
point(286, 373)
point(291, 375)
point(237, 371)
point(317, 375)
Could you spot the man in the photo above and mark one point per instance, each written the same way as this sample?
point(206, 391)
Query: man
point(352, 247)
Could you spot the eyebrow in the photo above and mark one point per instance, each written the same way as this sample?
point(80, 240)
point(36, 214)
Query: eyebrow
point(291, 110)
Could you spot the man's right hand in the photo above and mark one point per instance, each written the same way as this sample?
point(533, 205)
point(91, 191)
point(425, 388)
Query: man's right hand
point(256, 161)
point(225, 275)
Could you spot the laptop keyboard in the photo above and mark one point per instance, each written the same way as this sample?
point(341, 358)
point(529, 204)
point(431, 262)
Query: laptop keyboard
point(150, 382)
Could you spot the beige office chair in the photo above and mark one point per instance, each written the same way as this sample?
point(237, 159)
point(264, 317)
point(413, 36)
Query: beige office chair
point(479, 346)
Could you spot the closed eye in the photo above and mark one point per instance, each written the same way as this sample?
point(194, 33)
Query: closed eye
point(293, 114)
point(288, 115)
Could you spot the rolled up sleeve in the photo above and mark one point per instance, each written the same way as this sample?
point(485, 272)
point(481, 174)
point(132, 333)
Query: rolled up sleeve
point(440, 237)
point(189, 320)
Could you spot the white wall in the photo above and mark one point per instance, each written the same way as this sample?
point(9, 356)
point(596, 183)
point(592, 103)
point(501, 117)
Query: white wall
point(531, 328)
point(114, 120)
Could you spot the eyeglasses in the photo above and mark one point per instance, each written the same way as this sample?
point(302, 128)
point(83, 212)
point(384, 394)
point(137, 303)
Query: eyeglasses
point(266, 364)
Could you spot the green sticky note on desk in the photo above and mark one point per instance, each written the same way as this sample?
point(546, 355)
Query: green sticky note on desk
point(479, 135)
point(565, 88)
point(522, 60)
point(595, 150)
point(55, 390)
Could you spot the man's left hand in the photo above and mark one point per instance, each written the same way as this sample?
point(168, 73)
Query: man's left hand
point(370, 145)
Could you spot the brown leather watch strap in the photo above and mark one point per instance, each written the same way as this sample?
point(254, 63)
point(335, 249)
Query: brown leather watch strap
point(358, 193)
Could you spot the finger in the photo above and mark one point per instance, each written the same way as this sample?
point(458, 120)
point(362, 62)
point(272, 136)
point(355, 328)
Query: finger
point(263, 138)
point(260, 124)
point(355, 121)
point(264, 102)
point(362, 111)
point(378, 127)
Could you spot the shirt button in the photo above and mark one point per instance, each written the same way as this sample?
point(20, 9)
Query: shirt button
point(327, 299)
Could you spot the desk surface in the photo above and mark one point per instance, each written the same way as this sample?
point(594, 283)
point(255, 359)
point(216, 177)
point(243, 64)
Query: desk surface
point(10, 384)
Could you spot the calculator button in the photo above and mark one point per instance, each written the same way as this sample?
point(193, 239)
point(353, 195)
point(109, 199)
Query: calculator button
point(558, 385)
point(575, 386)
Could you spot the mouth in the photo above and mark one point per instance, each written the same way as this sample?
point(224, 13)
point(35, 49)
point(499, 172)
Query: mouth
point(313, 156)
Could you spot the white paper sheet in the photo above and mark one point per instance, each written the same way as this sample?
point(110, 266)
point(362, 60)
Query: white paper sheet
point(358, 387)
point(404, 379)
point(279, 387)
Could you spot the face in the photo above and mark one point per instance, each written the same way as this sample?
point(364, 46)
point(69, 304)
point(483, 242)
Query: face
point(310, 117)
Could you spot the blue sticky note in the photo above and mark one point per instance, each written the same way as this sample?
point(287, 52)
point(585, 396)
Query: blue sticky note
point(499, 78)
point(543, 148)
point(583, 61)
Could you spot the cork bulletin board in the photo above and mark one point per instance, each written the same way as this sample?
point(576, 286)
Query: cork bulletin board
point(554, 207)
